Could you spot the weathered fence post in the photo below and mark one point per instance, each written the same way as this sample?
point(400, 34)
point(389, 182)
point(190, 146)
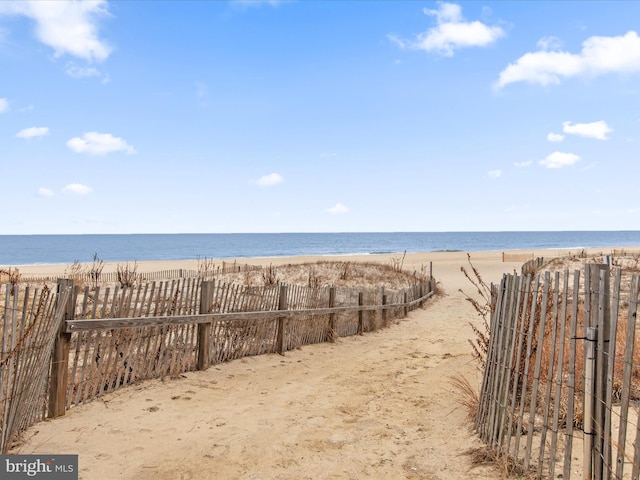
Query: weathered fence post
point(432, 281)
point(384, 310)
point(60, 358)
point(406, 308)
point(590, 359)
point(627, 373)
point(332, 316)
point(599, 285)
point(204, 329)
point(360, 313)
point(282, 305)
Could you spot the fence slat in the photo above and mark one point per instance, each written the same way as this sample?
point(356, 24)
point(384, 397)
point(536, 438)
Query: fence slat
point(537, 368)
point(516, 372)
point(563, 294)
point(626, 376)
point(566, 472)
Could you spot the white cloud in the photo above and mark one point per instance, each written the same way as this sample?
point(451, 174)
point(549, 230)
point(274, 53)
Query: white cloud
point(451, 32)
point(559, 160)
point(337, 209)
point(77, 189)
point(555, 137)
point(549, 43)
point(270, 180)
point(599, 56)
point(81, 72)
point(4, 105)
point(45, 192)
point(70, 27)
point(495, 173)
point(94, 143)
point(33, 132)
point(526, 163)
point(597, 130)
point(75, 71)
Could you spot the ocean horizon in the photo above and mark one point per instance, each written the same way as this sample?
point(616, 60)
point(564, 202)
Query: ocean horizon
point(62, 249)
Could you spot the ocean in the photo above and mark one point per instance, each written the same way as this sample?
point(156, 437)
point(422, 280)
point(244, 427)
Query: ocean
point(66, 249)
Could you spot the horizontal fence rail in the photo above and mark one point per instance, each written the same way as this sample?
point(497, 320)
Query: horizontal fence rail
point(98, 339)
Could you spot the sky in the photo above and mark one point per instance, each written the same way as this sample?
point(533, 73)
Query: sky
point(318, 116)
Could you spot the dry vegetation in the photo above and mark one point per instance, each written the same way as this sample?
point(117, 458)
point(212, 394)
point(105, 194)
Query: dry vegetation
point(506, 465)
point(345, 274)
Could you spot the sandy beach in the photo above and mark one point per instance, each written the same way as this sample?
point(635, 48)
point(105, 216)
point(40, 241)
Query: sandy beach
point(375, 406)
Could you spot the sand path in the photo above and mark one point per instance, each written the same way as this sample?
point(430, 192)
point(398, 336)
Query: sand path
point(372, 406)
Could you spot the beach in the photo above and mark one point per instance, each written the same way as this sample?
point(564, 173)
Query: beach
point(380, 405)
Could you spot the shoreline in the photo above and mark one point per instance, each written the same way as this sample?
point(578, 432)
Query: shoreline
point(37, 251)
point(410, 259)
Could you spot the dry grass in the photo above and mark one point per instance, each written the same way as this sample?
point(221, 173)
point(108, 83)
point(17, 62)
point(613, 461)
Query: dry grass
point(329, 273)
point(483, 303)
point(506, 464)
point(75, 272)
point(465, 395)
point(269, 275)
point(206, 267)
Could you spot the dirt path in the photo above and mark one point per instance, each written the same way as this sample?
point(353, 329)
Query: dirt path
point(378, 406)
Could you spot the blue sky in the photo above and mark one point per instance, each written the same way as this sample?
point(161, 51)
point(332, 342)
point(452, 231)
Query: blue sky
point(318, 116)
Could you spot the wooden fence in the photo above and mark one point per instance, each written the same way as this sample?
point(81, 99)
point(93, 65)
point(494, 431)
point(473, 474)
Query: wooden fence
point(207, 270)
point(98, 340)
point(517, 257)
point(563, 364)
point(30, 320)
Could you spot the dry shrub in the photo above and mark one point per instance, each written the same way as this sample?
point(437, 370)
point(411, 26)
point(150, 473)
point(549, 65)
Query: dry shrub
point(270, 275)
point(483, 303)
point(75, 272)
point(37, 314)
point(10, 277)
point(127, 275)
point(95, 270)
point(344, 270)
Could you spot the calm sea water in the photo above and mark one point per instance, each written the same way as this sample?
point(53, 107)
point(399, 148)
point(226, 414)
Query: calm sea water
point(35, 249)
